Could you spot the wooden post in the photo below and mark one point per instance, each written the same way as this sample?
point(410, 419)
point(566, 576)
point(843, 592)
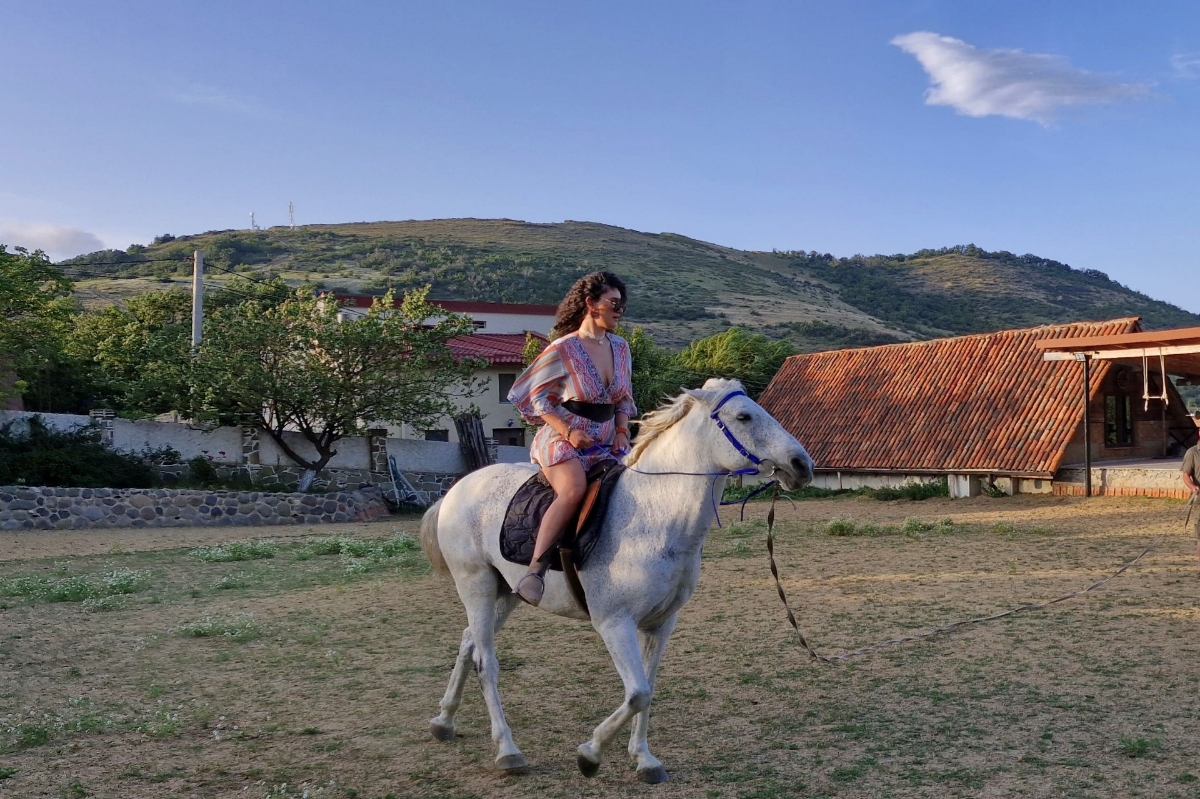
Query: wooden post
point(197, 300)
point(1087, 427)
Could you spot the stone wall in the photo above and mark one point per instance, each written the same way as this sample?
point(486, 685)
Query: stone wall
point(1117, 481)
point(24, 508)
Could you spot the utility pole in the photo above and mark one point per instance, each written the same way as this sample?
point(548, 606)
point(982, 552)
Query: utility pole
point(197, 299)
point(292, 215)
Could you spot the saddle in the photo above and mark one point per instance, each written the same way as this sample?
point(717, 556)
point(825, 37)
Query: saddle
point(570, 552)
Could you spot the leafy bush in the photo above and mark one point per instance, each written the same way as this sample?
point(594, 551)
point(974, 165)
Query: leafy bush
point(912, 491)
point(49, 457)
point(841, 526)
point(202, 471)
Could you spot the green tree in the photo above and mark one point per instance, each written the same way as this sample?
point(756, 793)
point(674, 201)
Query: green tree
point(136, 357)
point(36, 307)
point(294, 366)
point(656, 375)
point(735, 353)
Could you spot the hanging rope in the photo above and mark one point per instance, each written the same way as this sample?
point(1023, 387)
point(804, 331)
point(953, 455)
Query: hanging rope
point(1162, 367)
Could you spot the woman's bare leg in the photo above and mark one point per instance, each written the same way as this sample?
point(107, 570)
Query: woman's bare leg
point(569, 483)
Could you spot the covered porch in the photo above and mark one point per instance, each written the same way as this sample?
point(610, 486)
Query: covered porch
point(1138, 427)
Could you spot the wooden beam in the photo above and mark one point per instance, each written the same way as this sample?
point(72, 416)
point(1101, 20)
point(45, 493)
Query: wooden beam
point(1117, 354)
point(1155, 338)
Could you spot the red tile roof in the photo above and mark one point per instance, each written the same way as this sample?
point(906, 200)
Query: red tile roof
point(495, 348)
point(982, 403)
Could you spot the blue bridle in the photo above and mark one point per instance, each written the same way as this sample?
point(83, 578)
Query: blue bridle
point(742, 450)
point(747, 454)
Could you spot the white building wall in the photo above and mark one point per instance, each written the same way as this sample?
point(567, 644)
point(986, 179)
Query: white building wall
point(495, 409)
point(220, 445)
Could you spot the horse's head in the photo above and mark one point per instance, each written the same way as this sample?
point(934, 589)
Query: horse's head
point(732, 430)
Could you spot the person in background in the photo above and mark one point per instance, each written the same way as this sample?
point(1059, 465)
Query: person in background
point(1191, 479)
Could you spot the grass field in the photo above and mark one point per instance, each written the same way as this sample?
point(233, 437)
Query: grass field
point(170, 663)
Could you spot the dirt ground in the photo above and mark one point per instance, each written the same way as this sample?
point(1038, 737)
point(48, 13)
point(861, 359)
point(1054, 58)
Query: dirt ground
point(327, 688)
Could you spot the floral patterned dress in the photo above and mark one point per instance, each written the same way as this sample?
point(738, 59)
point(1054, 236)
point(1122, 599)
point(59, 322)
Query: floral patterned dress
point(564, 371)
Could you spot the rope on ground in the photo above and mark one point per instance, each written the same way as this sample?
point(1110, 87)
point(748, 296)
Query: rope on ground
point(817, 656)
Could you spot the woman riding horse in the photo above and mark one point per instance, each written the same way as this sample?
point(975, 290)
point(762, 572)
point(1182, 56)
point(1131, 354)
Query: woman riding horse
point(579, 390)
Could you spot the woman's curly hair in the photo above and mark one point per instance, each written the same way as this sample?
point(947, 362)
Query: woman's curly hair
point(573, 308)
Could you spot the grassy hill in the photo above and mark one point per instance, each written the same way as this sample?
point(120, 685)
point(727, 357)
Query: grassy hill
point(680, 288)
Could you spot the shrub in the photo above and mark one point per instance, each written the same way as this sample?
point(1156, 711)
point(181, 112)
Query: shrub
point(841, 526)
point(202, 471)
point(47, 457)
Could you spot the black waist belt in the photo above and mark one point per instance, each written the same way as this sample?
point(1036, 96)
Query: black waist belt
point(592, 411)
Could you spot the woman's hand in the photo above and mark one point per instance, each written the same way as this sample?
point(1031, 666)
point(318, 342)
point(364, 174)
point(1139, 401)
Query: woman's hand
point(621, 444)
point(579, 440)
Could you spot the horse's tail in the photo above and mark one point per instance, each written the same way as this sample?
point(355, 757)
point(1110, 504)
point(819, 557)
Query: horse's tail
point(429, 539)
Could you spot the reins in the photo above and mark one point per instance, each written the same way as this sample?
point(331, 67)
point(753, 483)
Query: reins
point(817, 656)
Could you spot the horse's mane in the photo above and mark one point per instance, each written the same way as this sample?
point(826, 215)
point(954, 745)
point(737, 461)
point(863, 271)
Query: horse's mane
point(658, 421)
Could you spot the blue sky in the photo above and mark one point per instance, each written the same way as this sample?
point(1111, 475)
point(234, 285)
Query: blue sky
point(1069, 130)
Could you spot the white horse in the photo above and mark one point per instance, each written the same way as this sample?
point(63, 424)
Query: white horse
point(643, 568)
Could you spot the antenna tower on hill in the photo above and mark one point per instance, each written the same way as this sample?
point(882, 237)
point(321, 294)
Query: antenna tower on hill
point(292, 215)
point(253, 224)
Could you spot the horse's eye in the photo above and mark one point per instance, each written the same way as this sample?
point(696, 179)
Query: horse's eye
point(743, 417)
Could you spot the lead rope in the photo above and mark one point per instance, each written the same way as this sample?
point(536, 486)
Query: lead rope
point(936, 631)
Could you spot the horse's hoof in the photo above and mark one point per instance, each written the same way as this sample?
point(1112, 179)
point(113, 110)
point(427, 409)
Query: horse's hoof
point(441, 732)
point(586, 767)
point(513, 764)
point(653, 775)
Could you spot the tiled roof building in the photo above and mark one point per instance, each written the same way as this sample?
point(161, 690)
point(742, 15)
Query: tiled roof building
point(983, 404)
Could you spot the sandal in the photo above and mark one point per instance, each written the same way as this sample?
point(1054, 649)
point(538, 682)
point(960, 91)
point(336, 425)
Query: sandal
point(530, 591)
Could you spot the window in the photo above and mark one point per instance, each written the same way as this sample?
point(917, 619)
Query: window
point(509, 436)
point(506, 384)
point(437, 435)
point(1118, 420)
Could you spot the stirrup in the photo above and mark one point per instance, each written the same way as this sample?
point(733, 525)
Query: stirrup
point(532, 594)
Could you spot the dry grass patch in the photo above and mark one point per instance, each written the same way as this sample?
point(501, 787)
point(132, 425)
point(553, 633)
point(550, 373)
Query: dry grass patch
point(1093, 698)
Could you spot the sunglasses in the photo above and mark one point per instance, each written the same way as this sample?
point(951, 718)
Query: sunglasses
point(618, 306)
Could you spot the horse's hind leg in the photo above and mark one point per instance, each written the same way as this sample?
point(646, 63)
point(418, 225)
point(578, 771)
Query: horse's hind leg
point(442, 726)
point(488, 603)
point(653, 642)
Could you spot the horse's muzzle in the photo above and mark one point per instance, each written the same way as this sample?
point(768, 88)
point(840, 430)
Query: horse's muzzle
point(797, 474)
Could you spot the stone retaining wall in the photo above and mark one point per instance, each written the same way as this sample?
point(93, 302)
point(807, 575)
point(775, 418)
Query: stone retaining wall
point(40, 508)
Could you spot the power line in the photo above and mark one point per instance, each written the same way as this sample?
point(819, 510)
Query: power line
point(125, 263)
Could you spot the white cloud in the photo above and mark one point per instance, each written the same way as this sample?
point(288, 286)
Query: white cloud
point(1008, 83)
point(57, 241)
point(1186, 65)
point(210, 97)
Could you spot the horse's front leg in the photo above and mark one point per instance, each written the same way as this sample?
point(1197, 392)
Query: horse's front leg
point(653, 643)
point(621, 638)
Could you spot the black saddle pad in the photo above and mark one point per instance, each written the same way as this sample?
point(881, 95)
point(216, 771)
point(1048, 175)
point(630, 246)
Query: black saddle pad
point(519, 533)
